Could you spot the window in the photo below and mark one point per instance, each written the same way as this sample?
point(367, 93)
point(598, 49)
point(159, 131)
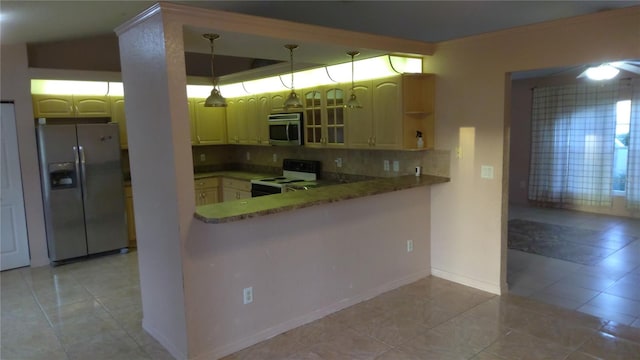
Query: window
point(573, 134)
point(621, 150)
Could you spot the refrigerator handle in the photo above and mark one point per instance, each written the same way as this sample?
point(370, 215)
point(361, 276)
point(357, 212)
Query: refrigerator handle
point(83, 169)
point(77, 163)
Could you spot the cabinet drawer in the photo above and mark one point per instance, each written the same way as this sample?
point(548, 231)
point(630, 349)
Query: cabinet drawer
point(242, 185)
point(207, 182)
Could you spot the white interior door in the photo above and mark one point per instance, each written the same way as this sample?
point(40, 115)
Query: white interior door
point(14, 245)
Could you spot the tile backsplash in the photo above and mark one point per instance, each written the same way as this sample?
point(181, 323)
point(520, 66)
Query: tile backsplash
point(354, 162)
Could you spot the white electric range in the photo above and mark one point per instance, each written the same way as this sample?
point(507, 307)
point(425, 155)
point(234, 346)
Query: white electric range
point(296, 173)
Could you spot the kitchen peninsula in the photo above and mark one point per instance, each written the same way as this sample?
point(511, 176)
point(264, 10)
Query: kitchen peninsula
point(300, 265)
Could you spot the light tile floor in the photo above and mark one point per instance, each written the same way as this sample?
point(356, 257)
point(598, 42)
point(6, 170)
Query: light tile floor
point(91, 310)
point(609, 289)
point(84, 310)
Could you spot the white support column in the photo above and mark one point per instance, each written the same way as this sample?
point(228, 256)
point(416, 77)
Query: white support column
point(153, 72)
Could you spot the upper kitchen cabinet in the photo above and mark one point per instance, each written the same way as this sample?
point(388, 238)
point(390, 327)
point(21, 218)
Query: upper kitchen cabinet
point(360, 121)
point(236, 120)
point(192, 122)
point(118, 117)
point(277, 101)
point(65, 106)
point(418, 106)
point(324, 116)
point(262, 124)
point(247, 120)
point(393, 110)
point(209, 123)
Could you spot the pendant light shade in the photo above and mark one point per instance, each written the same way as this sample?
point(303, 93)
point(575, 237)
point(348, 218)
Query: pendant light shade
point(215, 99)
point(292, 101)
point(353, 102)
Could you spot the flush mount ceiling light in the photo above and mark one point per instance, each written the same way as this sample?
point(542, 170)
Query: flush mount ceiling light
point(353, 102)
point(607, 71)
point(602, 72)
point(215, 99)
point(292, 101)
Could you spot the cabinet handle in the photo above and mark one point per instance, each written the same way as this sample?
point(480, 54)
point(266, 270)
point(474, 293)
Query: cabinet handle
point(374, 141)
point(198, 136)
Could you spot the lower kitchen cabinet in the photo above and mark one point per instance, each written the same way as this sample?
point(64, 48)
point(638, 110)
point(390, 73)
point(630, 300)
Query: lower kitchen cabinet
point(206, 191)
point(131, 222)
point(234, 189)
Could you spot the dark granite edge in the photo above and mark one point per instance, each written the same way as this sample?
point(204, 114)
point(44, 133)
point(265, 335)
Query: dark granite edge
point(272, 204)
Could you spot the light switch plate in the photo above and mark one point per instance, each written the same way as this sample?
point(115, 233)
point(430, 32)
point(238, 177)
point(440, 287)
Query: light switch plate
point(486, 172)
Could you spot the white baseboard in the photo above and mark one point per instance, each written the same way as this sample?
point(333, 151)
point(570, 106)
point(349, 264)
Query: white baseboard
point(460, 279)
point(225, 350)
point(163, 341)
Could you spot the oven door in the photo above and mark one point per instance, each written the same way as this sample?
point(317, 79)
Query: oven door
point(262, 190)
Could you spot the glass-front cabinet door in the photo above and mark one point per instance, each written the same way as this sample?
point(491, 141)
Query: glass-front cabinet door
point(324, 116)
point(313, 117)
point(335, 116)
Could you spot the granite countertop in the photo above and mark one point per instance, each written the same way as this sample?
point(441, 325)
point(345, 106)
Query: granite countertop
point(271, 204)
point(235, 174)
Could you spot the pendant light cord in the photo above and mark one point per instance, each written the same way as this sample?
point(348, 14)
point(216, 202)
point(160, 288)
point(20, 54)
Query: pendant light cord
point(213, 78)
point(352, 83)
point(291, 63)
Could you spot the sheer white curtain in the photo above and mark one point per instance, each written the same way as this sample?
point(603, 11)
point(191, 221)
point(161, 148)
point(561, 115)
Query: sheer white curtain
point(573, 131)
point(633, 165)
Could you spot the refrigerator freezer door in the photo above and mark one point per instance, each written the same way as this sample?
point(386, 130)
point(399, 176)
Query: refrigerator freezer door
point(103, 188)
point(62, 193)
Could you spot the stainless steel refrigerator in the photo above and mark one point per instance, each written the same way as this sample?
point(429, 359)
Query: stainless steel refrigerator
point(83, 189)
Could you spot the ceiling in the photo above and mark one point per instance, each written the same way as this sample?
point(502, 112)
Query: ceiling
point(430, 21)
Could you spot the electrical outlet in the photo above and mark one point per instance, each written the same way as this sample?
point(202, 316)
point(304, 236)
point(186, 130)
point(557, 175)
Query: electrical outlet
point(396, 165)
point(275, 157)
point(248, 156)
point(203, 157)
point(409, 245)
point(247, 295)
point(386, 165)
point(338, 162)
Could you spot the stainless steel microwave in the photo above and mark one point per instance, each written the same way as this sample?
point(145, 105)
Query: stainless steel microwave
point(286, 129)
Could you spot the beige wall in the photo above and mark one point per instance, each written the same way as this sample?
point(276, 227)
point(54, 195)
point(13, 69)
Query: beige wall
point(15, 86)
point(468, 214)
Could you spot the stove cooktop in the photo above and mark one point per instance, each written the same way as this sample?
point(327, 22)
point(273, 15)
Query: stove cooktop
point(293, 172)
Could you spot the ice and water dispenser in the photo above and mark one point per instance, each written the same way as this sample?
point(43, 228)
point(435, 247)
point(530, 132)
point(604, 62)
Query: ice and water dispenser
point(62, 175)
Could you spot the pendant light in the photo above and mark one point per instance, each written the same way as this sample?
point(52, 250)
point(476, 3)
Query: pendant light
point(215, 99)
point(292, 101)
point(353, 102)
